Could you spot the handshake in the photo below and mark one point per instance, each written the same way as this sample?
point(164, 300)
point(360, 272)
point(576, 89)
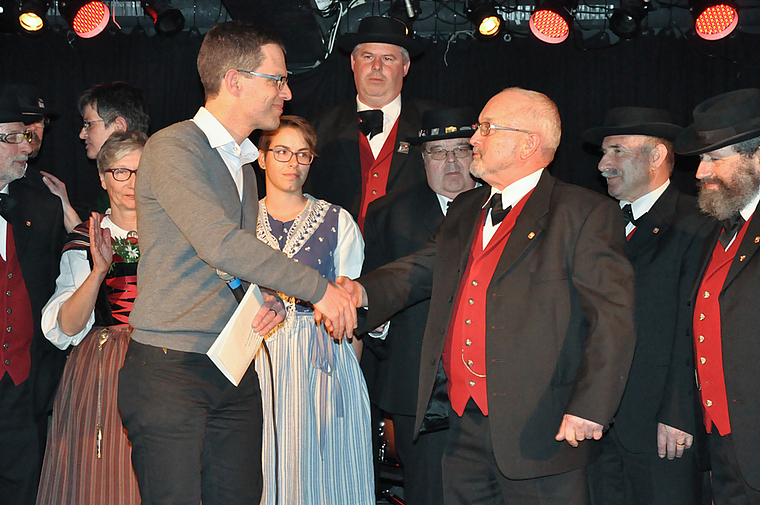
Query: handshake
point(337, 308)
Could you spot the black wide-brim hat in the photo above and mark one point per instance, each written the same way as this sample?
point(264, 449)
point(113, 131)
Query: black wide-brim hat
point(634, 121)
point(10, 110)
point(721, 121)
point(31, 102)
point(442, 124)
point(383, 30)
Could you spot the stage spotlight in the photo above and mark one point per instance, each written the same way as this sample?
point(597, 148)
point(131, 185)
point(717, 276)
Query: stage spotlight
point(626, 20)
point(713, 19)
point(551, 21)
point(487, 21)
point(33, 15)
point(167, 20)
point(87, 18)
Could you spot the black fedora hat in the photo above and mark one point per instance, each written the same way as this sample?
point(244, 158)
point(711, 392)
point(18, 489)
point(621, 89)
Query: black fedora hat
point(721, 121)
point(384, 30)
point(442, 124)
point(10, 110)
point(634, 121)
point(31, 102)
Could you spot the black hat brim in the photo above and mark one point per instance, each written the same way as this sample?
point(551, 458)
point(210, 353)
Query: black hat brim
point(688, 144)
point(665, 131)
point(461, 134)
point(19, 118)
point(349, 41)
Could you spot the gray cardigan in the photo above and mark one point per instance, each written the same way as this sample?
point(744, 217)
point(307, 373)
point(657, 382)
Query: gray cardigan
point(191, 221)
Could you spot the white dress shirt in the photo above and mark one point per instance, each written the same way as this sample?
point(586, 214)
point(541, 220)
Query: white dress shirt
point(643, 204)
point(391, 112)
point(234, 155)
point(509, 198)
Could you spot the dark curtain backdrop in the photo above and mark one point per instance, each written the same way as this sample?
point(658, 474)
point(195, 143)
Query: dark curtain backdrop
point(653, 71)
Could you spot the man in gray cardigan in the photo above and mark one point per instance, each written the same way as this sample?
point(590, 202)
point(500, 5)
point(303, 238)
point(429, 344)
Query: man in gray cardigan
point(196, 437)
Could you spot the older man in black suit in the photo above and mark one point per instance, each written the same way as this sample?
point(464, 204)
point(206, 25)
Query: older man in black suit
point(31, 237)
point(362, 147)
point(646, 455)
point(726, 136)
point(397, 225)
point(530, 330)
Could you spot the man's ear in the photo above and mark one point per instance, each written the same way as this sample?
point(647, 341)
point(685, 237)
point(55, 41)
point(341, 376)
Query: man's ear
point(119, 124)
point(532, 144)
point(231, 82)
point(658, 156)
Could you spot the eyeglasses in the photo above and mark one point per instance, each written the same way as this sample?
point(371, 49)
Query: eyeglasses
point(16, 137)
point(88, 124)
point(284, 155)
point(280, 80)
point(120, 174)
point(440, 153)
point(485, 128)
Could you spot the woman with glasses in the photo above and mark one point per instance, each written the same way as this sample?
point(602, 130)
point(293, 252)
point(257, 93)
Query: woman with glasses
point(321, 423)
point(87, 459)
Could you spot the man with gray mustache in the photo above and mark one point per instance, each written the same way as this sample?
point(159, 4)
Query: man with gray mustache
point(647, 456)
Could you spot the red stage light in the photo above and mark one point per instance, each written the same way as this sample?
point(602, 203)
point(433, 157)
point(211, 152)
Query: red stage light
point(549, 26)
point(87, 19)
point(716, 22)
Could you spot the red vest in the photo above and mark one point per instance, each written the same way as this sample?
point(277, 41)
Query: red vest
point(464, 354)
point(375, 171)
point(16, 310)
point(707, 337)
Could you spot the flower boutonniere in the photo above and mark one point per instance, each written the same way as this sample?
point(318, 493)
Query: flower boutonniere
point(125, 250)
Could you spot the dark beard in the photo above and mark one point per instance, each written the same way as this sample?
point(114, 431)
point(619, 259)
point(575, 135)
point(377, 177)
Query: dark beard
point(732, 195)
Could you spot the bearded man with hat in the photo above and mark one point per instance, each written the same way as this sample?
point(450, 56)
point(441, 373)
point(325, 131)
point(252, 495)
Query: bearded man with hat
point(31, 237)
point(397, 225)
point(362, 146)
point(726, 322)
point(647, 455)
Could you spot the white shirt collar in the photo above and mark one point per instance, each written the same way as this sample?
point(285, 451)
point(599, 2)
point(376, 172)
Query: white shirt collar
point(644, 203)
point(518, 189)
point(749, 209)
point(219, 137)
point(391, 111)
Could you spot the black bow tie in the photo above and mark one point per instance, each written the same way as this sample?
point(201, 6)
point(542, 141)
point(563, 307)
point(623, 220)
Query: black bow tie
point(730, 226)
point(628, 215)
point(498, 212)
point(371, 122)
point(7, 202)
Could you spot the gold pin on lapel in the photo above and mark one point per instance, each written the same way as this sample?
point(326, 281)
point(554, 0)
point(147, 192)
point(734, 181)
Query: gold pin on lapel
point(757, 240)
point(29, 223)
point(531, 235)
point(741, 258)
point(656, 230)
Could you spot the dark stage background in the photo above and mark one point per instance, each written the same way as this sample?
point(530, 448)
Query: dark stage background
point(653, 71)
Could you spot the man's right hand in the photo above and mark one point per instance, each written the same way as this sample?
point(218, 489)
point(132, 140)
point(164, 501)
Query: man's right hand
point(337, 310)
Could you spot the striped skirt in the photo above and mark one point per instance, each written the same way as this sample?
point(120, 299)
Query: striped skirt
point(323, 419)
point(87, 458)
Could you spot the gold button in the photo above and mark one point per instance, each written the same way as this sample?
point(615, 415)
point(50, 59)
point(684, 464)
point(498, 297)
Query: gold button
point(468, 342)
point(701, 338)
point(375, 175)
point(467, 321)
point(708, 403)
point(702, 317)
point(703, 360)
point(472, 383)
point(470, 301)
point(757, 240)
point(474, 283)
point(531, 235)
point(741, 258)
point(469, 362)
point(374, 191)
point(707, 294)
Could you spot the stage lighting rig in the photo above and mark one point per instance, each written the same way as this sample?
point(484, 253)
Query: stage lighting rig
point(86, 17)
point(626, 20)
point(32, 16)
point(487, 22)
point(552, 19)
point(714, 19)
point(167, 20)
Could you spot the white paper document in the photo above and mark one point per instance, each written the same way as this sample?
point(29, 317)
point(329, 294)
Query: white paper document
point(237, 344)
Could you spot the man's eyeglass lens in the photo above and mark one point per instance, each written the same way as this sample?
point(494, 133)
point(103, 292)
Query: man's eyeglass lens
point(16, 137)
point(442, 154)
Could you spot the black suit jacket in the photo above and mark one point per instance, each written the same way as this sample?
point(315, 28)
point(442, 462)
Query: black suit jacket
point(37, 221)
point(398, 225)
point(740, 341)
point(559, 328)
point(665, 252)
point(335, 174)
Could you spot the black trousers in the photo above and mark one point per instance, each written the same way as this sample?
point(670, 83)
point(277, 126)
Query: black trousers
point(728, 484)
point(20, 459)
point(471, 475)
point(422, 460)
point(195, 436)
point(624, 478)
